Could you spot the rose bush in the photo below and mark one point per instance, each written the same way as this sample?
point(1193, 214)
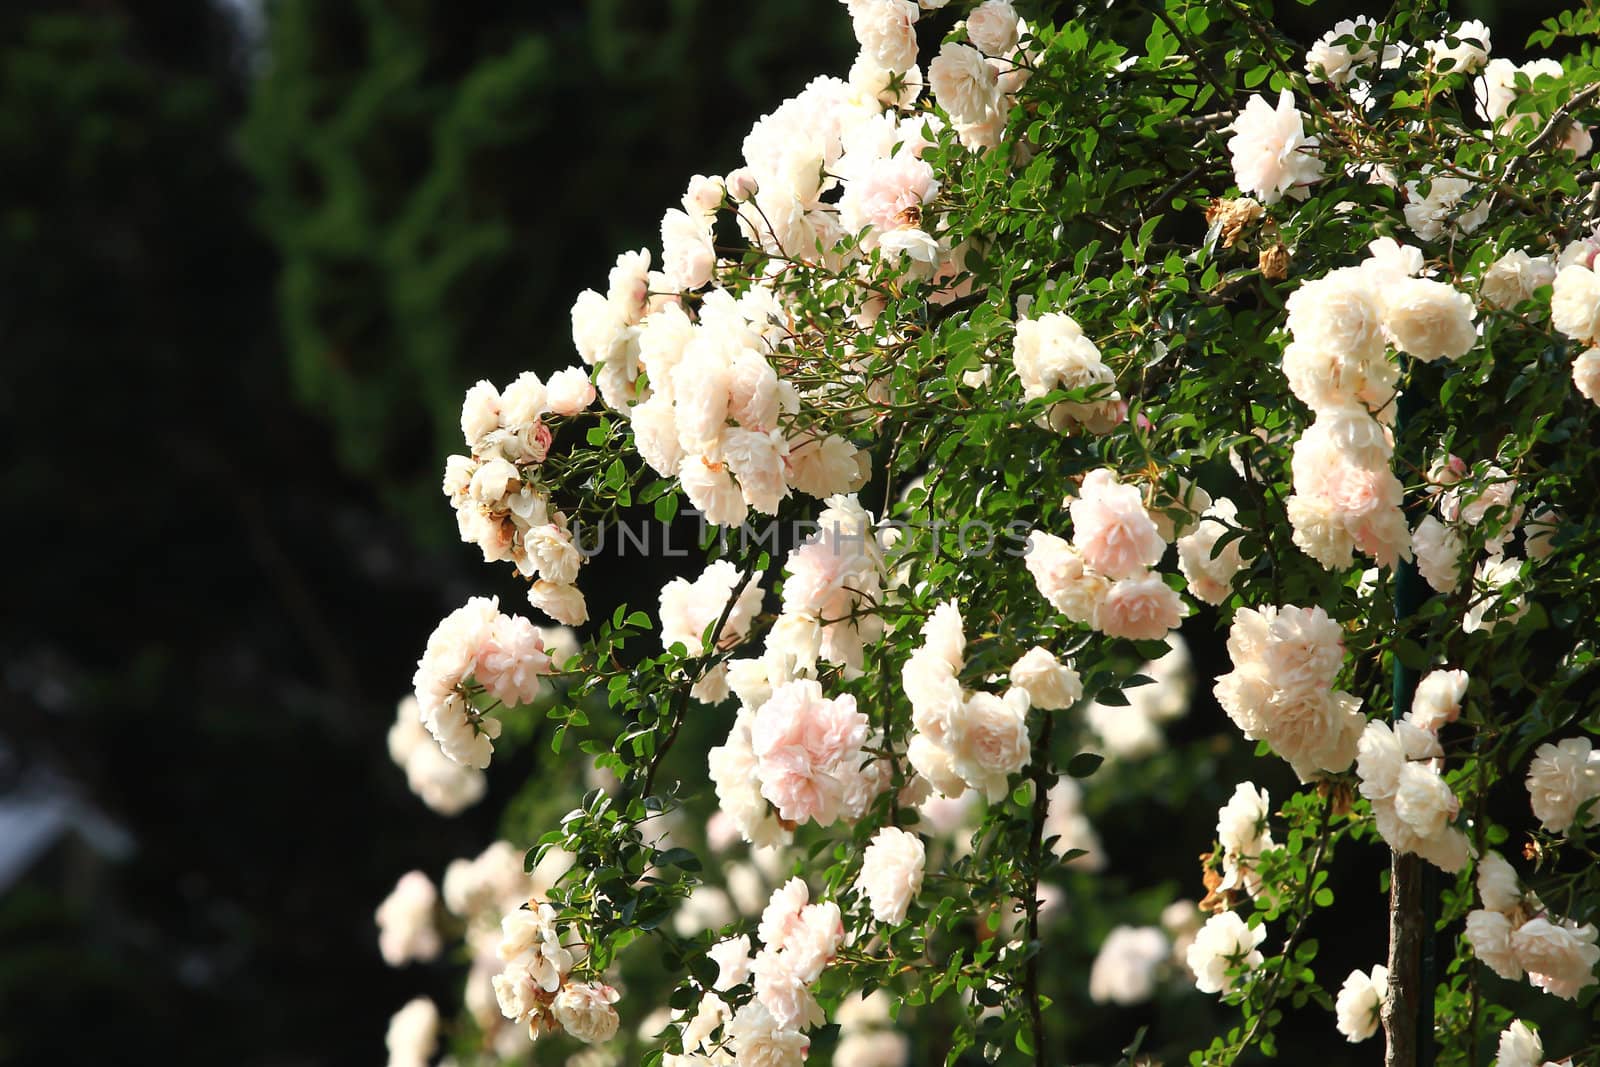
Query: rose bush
point(1091, 332)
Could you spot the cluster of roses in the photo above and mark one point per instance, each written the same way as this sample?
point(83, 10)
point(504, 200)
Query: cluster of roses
point(832, 179)
point(798, 939)
point(477, 651)
point(1513, 933)
point(1345, 494)
point(476, 893)
point(1105, 577)
point(500, 504)
point(1400, 770)
point(533, 989)
point(967, 739)
point(1281, 690)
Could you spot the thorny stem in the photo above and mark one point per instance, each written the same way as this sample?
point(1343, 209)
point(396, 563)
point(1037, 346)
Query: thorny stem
point(680, 698)
point(1041, 808)
point(1303, 911)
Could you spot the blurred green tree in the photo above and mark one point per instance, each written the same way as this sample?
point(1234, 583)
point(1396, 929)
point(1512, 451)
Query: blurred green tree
point(438, 175)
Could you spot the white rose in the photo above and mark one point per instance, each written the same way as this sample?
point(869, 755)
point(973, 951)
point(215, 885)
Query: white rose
point(891, 873)
point(1360, 1003)
point(1430, 319)
point(480, 413)
point(1575, 303)
point(1049, 683)
point(1223, 942)
point(1515, 276)
point(1489, 934)
point(1586, 375)
point(585, 1011)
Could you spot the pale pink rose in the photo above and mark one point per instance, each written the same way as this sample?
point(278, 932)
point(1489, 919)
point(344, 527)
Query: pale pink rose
point(1111, 529)
point(1271, 153)
point(1514, 277)
point(570, 391)
point(1559, 959)
point(891, 873)
point(1423, 801)
point(1430, 319)
point(733, 962)
point(807, 748)
point(1438, 551)
point(781, 918)
point(688, 609)
point(1438, 699)
point(563, 603)
point(886, 31)
point(992, 27)
point(758, 1040)
point(1575, 303)
point(1049, 683)
point(511, 661)
point(1498, 885)
point(1561, 778)
point(1063, 579)
point(783, 990)
point(889, 194)
point(1339, 313)
point(480, 413)
point(1210, 573)
point(1143, 608)
point(687, 257)
point(711, 489)
point(964, 84)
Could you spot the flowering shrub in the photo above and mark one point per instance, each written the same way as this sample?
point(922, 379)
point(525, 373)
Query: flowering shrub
point(1085, 334)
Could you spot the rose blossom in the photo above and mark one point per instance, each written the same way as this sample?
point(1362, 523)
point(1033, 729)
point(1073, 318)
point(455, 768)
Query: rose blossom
point(1559, 959)
point(1519, 1046)
point(1063, 579)
point(990, 742)
point(1111, 528)
point(964, 84)
point(1575, 303)
point(1269, 148)
point(807, 750)
point(585, 1011)
point(1561, 778)
point(1142, 608)
point(993, 27)
point(1049, 683)
point(1223, 942)
point(1586, 375)
point(1360, 1003)
point(891, 873)
point(413, 1033)
point(1430, 319)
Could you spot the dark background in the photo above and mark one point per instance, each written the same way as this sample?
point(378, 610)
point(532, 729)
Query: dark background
point(249, 263)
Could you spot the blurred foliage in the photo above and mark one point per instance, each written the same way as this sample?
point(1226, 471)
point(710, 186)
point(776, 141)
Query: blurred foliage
point(439, 176)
